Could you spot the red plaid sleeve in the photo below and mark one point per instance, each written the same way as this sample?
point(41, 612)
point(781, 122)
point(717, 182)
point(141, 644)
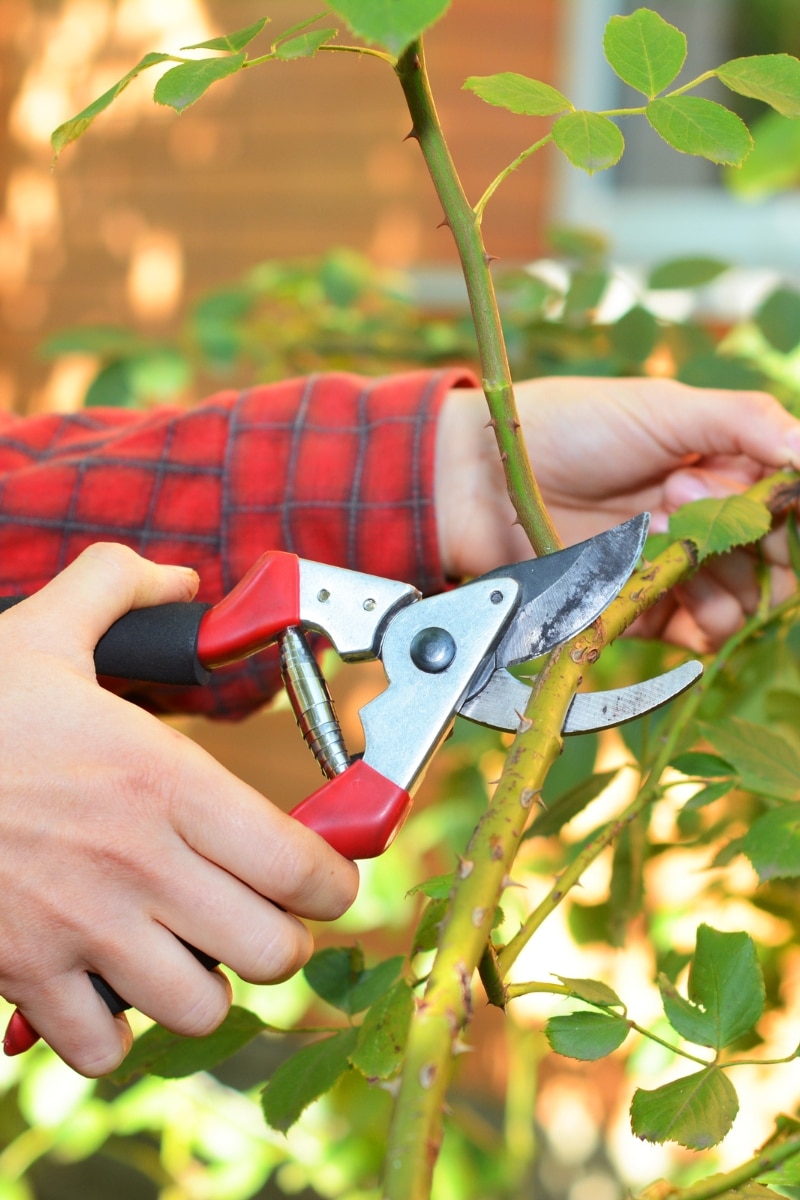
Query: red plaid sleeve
point(335, 468)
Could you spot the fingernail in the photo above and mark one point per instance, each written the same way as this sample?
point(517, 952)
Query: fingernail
point(791, 444)
point(687, 488)
point(20, 1035)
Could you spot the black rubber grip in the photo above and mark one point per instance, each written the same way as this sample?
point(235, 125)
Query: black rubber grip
point(157, 644)
point(114, 1002)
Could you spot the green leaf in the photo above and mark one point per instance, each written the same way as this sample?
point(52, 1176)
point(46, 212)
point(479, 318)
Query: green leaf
point(338, 976)
point(635, 334)
point(571, 241)
point(700, 764)
point(185, 84)
point(721, 371)
point(773, 843)
point(438, 887)
point(112, 387)
point(106, 341)
point(644, 50)
point(766, 762)
point(593, 991)
point(305, 45)
point(389, 23)
point(518, 93)
point(232, 42)
point(170, 1056)
point(77, 125)
point(426, 936)
point(696, 1111)
point(703, 127)
point(588, 140)
point(305, 1077)
point(793, 538)
point(569, 804)
point(688, 272)
point(586, 288)
point(778, 318)
point(774, 165)
point(382, 1036)
point(725, 992)
point(586, 1035)
point(717, 525)
point(773, 78)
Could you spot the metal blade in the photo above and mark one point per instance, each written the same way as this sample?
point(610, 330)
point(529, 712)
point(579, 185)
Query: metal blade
point(504, 699)
point(562, 593)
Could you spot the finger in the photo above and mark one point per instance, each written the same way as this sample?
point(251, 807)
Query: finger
point(716, 611)
point(71, 1017)
point(105, 582)
point(173, 987)
point(763, 429)
point(232, 825)
point(211, 910)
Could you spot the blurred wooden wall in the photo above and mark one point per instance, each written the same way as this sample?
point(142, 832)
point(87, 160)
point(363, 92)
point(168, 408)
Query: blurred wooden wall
point(150, 209)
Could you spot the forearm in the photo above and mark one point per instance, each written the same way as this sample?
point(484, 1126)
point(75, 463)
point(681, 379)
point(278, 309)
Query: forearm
point(337, 468)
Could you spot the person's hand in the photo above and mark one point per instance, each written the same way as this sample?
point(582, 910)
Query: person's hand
point(118, 836)
point(604, 450)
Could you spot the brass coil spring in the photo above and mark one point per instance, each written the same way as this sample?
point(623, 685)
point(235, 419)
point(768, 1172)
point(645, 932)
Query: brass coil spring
point(311, 703)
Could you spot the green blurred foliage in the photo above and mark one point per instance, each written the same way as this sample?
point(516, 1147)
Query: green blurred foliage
point(202, 1133)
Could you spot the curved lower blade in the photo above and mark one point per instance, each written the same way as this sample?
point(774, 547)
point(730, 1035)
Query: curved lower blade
point(562, 593)
point(504, 699)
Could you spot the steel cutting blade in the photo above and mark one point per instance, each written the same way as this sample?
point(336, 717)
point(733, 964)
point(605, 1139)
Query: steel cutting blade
point(504, 699)
point(562, 593)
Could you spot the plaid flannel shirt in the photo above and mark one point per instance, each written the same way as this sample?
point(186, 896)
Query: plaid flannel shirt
point(335, 468)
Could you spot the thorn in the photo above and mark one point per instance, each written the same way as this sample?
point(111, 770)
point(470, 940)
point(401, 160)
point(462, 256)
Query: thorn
point(465, 867)
point(524, 723)
point(412, 135)
point(508, 882)
point(443, 224)
point(490, 258)
point(478, 915)
point(528, 795)
point(504, 456)
point(427, 1075)
point(514, 425)
point(392, 1086)
point(491, 424)
point(460, 1047)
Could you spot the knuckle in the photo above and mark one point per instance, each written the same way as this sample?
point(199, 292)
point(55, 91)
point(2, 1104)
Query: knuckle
point(94, 1063)
point(206, 1013)
point(280, 956)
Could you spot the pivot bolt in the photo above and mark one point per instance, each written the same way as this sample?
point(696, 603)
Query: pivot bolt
point(432, 650)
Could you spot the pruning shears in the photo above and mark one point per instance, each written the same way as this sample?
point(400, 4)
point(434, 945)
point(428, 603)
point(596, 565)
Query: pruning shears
point(444, 655)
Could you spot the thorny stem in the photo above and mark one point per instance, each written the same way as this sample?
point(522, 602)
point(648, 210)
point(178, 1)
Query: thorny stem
point(651, 787)
point(446, 1006)
point(720, 1185)
point(465, 228)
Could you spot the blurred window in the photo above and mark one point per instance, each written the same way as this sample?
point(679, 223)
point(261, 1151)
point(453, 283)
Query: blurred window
point(657, 203)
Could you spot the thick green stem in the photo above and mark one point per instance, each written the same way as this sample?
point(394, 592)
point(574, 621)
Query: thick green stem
point(465, 228)
point(720, 1185)
point(446, 1006)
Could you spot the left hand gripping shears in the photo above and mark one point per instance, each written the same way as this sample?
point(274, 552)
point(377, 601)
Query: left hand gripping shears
point(443, 655)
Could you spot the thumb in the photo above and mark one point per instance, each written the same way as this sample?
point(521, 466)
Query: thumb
point(107, 580)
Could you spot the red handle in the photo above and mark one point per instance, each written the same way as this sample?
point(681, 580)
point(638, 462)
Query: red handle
point(358, 813)
point(264, 602)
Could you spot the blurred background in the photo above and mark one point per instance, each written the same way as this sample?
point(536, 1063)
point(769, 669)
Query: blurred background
point(284, 225)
